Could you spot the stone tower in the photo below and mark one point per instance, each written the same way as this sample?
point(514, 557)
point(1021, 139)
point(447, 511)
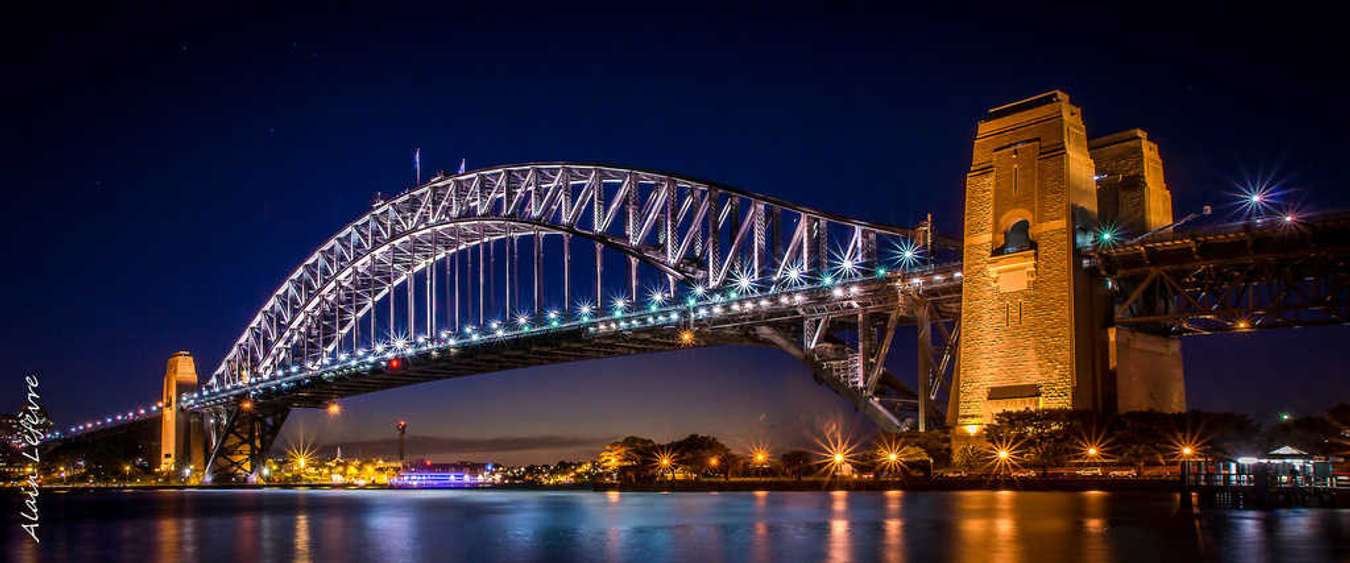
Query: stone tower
point(1142, 371)
point(176, 443)
point(1035, 327)
point(1131, 193)
point(1027, 328)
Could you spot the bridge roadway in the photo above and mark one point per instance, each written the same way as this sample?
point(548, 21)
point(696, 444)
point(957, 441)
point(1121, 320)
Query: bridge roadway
point(778, 319)
point(1277, 272)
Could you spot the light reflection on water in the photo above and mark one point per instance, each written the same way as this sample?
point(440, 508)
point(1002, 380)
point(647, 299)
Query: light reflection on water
point(970, 526)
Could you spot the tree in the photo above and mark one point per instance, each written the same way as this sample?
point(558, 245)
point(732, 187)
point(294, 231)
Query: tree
point(1219, 434)
point(1340, 415)
point(1313, 434)
point(891, 455)
point(967, 457)
point(623, 459)
point(1141, 437)
point(1043, 437)
point(796, 462)
point(701, 455)
point(936, 444)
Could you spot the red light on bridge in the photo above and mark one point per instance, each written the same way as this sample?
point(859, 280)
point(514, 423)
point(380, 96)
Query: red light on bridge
point(394, 363)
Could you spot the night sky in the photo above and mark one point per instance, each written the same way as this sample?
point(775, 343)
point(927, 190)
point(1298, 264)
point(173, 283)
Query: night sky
point(172, 168)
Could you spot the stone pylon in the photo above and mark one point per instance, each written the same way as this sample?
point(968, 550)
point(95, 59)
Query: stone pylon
point(181, 440)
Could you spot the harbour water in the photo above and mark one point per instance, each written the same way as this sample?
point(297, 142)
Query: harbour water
point(477, 525)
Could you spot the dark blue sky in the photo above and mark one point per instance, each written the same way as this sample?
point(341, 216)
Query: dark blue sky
point(173, 167)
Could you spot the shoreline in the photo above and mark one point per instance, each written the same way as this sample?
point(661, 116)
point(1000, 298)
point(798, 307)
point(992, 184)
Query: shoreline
point(737, 485)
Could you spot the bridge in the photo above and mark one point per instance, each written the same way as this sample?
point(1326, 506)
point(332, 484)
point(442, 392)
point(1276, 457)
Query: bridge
point(1069, 288)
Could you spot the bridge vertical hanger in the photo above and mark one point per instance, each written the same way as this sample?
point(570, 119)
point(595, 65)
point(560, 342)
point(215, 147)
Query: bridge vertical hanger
point(454, 283)
point(482, 289)
point(538, 270)
point(668, 226)
point(598, 224)
point(430, 273)
point(630, 191)
point(714, 236)
point(567, 272)
point(509, 280)
point(514, 241)
point(923, 321)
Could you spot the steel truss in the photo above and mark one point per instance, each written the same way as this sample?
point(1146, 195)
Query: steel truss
point(444, 244)
point(1252, 276)
point(240, 439)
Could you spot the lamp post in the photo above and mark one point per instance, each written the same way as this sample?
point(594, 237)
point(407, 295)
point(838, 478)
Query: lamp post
point(402, 427)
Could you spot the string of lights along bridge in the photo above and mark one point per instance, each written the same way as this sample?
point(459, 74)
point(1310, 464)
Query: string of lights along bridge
point(1070, 288)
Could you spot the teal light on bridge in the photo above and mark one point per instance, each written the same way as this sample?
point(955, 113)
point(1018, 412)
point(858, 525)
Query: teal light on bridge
point(392, 354)
point(1107, 235)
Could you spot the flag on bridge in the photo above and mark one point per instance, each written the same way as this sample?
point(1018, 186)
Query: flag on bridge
point(461, 166)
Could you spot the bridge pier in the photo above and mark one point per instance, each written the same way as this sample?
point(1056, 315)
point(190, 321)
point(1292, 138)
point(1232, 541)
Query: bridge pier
point(241, 435)
point(1037, 326)
point(181, 437)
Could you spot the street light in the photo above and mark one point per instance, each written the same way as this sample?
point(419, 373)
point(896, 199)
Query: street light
point(666, 461)
point(334, 409)
point(402, 427)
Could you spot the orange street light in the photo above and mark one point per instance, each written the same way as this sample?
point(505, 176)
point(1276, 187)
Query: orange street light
point(334, 409)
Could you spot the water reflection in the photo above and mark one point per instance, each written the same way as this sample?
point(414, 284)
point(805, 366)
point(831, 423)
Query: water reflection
point(1095, 546)
point(892, 544)
point(301, 540)
point(167, 540)
point(974, 526)
point(839, 544)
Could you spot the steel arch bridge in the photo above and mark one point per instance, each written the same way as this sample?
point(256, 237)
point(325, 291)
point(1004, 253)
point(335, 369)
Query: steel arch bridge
point(427, 285)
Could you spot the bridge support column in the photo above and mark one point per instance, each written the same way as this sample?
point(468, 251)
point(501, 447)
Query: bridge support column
point(240, 440)
point(925, 365)
point(181, 438)
point(1028, 333)
point(1035, 321)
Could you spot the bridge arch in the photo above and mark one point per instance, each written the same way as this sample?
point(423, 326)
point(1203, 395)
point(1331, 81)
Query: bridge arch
point(673, 231)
